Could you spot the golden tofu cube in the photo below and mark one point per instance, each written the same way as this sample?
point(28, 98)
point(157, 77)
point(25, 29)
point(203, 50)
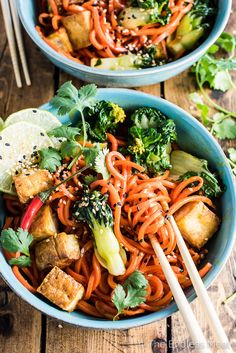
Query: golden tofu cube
point(61, 40)
point(44, 224)
point(197, 223)
point(59, 250)
point(61, 289)
point(78, 27)
point(31, 183)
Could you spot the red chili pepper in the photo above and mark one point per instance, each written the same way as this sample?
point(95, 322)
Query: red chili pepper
point(39, 200)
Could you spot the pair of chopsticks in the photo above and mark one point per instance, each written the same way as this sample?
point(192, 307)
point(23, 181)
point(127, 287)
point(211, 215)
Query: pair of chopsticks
point(195, 331)
point(13, 31)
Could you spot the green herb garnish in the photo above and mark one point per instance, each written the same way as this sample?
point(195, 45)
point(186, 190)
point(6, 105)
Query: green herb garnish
point(17, 241)
point(131, 294)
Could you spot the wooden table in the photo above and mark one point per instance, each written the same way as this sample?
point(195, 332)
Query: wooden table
point(25, 330)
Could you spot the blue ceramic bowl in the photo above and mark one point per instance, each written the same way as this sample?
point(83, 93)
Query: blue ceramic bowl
point(192, 137)
point(127, 78)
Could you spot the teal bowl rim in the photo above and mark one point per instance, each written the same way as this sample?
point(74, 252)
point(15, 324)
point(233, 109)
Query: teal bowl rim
point(93, 323)
point(185, 61)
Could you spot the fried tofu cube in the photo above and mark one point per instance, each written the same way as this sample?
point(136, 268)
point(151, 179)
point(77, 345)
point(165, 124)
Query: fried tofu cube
point(61, 289)
point(44, 224)
point(197, 223)
point(61, 40)
point(78, 27)
point(59, 250)
point(31, 183)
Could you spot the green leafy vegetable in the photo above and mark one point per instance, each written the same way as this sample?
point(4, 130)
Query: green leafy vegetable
point(70, 149)
point(184, 165)
point(65, 131)
point(213, 70)
point(68, 100)
point(17, 241)
point(150, 56)
point(192, 27)
point(102, 118)
point(131, 294)
point(150, 139)
point(93, 209)
point(50, 159)
point(22, 261)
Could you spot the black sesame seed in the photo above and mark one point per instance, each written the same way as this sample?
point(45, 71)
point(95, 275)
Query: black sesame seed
point(17, 172)
point(114, 205)
point(125, 194)
point(0, 157)
point(0, 137)
point(34, 111)
point(41, 133)
point(24, 156)
point(140, 199)
point(34, 148)
point(7, 144)
point(119, 203)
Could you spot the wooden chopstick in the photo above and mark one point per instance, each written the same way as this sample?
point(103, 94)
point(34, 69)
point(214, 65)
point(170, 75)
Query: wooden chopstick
point(199, 341)
point(19, 39)
point(204, 299)
point(11, 40)
point(12, 24)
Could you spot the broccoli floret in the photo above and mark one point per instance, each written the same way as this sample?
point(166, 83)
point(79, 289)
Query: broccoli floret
point(185, 165)
point(102, 118)
point(150, 139)
point(192, 27)
point(93, 209)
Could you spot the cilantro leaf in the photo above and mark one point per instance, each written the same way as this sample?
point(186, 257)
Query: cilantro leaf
point(222, 81)
point(16, 241)
point(131, 294)
point(118, 298)
point(227, 42)
point(100, 164)
point(90, 154)
point(70, 149)
point(22, 261)
point(203, 108)
point(50, 159)
point(232, 154)
point(87, 96)
point(66, 98)
point(65, 131)
point(225, 129)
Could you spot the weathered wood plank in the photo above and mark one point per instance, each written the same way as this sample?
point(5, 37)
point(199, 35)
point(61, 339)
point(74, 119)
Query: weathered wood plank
point(41, 72)
point(146, 339)
point(177, 91)
point(20, 325)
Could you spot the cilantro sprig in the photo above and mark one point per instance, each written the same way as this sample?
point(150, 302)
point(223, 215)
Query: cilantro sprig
point(50, 159)
point(214, 70)
point(17, 241)
point(69, 100)
point(131, 294)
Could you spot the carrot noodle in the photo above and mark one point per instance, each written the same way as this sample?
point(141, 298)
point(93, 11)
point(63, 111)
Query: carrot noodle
point(107, 37)
point(140, 206)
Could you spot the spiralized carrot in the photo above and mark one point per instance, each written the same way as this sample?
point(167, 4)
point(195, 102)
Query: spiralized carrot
point(141, 206)
point(108, 39)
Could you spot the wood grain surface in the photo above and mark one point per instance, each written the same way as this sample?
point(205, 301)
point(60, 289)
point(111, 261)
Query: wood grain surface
point(25, 330)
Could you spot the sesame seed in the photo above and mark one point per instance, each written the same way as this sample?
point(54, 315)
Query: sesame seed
point(7, 144)
point(41, 133)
